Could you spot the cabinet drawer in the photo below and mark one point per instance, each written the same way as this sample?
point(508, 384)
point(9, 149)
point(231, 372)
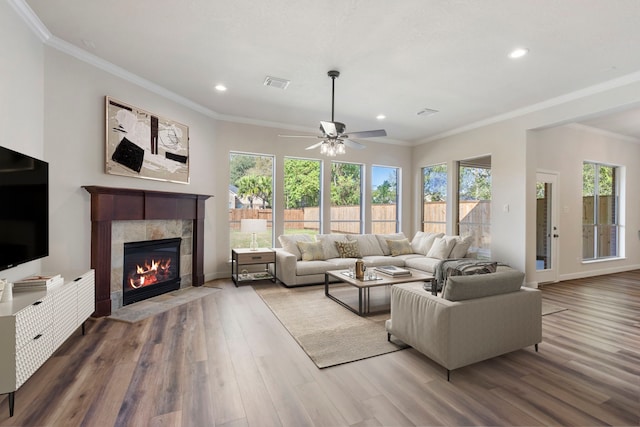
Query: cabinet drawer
point(259, 258)
point(32, 320)
point(33, 355)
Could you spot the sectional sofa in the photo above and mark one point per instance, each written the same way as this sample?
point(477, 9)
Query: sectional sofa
point(303, 259)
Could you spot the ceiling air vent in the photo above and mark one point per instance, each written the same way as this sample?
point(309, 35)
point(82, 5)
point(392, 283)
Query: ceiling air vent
point(276, 82)
point(426, 112)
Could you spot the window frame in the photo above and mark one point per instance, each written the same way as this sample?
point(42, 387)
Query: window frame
point(396, 221)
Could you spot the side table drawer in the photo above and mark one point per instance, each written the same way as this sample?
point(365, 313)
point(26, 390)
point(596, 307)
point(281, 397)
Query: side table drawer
point(258, 258)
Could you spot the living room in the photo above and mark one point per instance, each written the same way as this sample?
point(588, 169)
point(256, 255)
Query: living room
point(57, 114)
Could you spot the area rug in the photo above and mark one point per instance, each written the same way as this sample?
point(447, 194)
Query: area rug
point(329, 333)
point(550, 308)
point(141, 310)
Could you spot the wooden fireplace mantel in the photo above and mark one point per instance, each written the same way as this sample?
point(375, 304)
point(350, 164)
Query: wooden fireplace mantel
point(123, 204)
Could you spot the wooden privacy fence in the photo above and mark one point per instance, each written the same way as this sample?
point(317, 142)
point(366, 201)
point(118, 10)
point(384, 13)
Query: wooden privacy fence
point(344, 219)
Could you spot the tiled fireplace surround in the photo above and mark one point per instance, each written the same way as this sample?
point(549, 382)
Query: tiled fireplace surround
point(136, 231)
point(120, 215)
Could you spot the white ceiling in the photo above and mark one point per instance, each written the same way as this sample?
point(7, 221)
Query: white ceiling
point(396, 57)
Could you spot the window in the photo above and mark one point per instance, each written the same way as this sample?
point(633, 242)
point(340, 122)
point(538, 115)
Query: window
point(434, 198)
point(302, 195)
point(474, 203)
point(600, 206)
point(346, 197)
point(384, 200)
point(250, 196)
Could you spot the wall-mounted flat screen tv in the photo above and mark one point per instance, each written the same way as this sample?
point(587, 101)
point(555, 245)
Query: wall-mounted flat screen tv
point(24, 208)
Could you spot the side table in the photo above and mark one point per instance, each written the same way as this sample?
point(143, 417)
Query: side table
point(241, 257)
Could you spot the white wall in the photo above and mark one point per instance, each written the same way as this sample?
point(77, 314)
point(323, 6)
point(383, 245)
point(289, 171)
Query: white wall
point(21, 95)
point(505, 144)
point(563, 150)
point(74, 126)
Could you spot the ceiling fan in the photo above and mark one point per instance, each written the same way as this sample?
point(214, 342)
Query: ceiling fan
point(334, 137)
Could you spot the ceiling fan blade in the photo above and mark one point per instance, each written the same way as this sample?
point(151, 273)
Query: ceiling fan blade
point(311, 147)
point(367, 134)
point(329, 128)
point(352, 144)
point(299, 136)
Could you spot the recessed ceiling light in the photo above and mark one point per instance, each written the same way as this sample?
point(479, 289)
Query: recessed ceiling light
point(518, 52)
point(381, 117)
point(221, 88)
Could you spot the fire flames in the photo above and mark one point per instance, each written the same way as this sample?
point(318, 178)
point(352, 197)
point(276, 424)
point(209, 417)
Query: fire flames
point(151, 272)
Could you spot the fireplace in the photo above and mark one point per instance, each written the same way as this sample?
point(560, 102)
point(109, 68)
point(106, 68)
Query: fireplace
point(150, 268)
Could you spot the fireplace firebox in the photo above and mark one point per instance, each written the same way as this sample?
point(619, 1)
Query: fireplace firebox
point(150, 268)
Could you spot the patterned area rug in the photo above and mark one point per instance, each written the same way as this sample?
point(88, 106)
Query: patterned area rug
point(329, 333)
point(141, 310)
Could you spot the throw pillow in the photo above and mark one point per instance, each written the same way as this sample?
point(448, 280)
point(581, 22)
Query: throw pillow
point(348, 249)
point(399, 247)
point(382, 240)
point(461, 247)
point(289, 243)
point(329, 244)
point(422, 241)
point(311, 251)
point(441, 248)
point(367, 243)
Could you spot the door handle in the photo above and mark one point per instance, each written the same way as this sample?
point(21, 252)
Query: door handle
point(556, 235)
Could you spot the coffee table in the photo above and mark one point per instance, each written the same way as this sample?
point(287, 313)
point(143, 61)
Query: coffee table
point(364, 287)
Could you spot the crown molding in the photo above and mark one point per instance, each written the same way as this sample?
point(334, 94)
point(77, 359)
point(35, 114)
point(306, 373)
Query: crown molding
point(553, 102)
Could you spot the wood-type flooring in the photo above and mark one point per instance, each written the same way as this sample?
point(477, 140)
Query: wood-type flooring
point(225, 360)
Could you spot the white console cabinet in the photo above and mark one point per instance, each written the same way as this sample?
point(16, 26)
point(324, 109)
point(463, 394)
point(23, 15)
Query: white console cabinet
point(35, 323)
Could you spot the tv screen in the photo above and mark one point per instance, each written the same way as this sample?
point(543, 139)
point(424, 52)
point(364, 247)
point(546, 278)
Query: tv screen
point(24, 210)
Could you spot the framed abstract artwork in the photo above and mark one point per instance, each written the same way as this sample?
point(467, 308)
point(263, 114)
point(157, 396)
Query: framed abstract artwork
point(144, 145)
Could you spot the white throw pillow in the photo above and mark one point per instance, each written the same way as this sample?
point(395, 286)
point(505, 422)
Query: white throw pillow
point(382, 240)
point(441, 248)
point(289, 243)
point(367, 243)
point(461, 247)
point(422, 241)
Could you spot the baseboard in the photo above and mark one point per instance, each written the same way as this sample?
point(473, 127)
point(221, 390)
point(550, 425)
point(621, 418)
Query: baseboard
point(598, 272)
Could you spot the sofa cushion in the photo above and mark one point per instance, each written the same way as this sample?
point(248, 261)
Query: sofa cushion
point(422, 263)
point(382, 240)
point(377, 260)
point(441, 248)
point(289, 243)
point(460, 288)
point(313, 267)
point(367, 243)
point(348, 249)
point(311, 251)
point(461, 247)
point(422, 241)
point(399, 247)
point(329, 244)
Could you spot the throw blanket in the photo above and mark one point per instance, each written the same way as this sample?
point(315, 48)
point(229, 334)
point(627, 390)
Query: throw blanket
point(447, 266)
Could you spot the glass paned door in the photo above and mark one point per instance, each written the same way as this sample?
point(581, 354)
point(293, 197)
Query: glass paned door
point(546, 228)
